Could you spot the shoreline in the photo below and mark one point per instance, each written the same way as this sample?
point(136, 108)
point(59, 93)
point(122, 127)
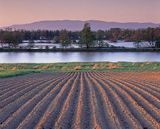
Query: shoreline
point(10, 70)
point(84, 50)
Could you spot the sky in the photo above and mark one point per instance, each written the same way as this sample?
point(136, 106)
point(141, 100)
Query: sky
point(27, 11)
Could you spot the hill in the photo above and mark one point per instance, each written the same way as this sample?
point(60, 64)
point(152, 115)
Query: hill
point(76, 25)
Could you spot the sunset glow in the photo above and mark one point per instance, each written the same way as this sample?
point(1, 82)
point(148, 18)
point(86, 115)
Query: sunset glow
point(26, 11)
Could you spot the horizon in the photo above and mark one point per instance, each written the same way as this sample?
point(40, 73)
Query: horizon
point(123, 11)
point(77, 20)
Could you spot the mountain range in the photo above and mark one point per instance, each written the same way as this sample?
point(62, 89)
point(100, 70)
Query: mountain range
point(77, 25)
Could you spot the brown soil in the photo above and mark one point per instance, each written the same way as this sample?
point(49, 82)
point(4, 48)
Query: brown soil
point(81, 100)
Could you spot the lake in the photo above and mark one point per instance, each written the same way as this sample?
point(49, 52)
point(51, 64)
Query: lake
point(57, 57)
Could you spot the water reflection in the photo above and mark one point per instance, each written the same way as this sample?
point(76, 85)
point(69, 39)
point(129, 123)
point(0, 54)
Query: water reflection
point(50, 57)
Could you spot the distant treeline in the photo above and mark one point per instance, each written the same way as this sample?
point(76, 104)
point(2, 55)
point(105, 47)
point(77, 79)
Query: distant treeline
point(86, 36)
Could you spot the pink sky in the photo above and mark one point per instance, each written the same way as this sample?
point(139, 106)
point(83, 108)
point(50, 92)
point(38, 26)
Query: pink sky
point(26, 11)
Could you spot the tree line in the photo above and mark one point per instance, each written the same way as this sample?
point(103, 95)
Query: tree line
point(85, 37)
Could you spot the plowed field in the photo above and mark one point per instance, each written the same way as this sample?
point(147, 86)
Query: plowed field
point(81, 100)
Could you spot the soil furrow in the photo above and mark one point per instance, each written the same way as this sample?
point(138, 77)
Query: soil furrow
point(81, 100)
point(76, 123)
point(105, 113)
point(150, 108)
point(145, 119)
point(54, 109)
point(16, 96)
point(34, 104)
point(15, 105)
point(65, 118)
point(124, 116)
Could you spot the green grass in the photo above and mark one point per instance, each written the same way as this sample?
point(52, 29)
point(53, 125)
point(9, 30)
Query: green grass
point(7, 70)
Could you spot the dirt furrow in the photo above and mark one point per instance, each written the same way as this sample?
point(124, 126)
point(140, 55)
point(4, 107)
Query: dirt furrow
point(51, 113)
point(145, 119)
point(85, 119)
point(17, 86)
point(16, 96)
point(14, 81)
point(65, 118)
point(124, 116)
point(92, 97)
point(6, 111)
point(147, 95)
point(153, 100)
point(149, 83)
point(20, 91)
point(25, 83)
point(81, 100)
point(15, 105)
point(105, 113)
point(145, 82)
point(28, 108)
point(146, 87)
point(77, 116)
point(149, 107)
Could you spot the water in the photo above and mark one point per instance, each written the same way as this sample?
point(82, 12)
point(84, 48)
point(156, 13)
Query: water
point(50, 57)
